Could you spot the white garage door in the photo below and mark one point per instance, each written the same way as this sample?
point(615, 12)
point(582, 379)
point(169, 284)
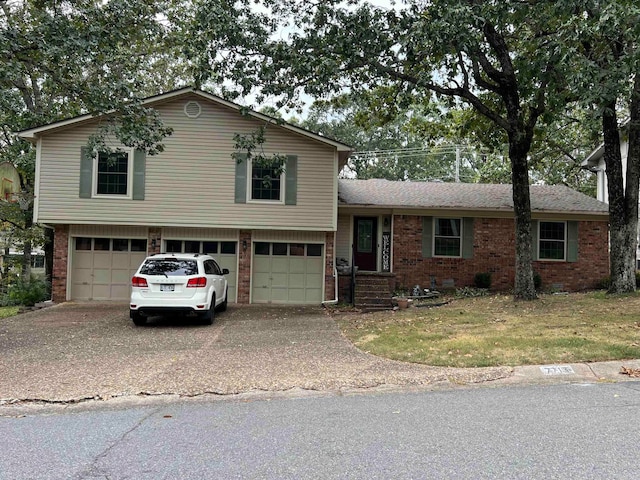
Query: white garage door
point(225, 253)
point(101, 268)
point(287, 273)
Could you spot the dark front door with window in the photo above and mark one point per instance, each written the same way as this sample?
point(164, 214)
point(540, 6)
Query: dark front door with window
point(365, 243)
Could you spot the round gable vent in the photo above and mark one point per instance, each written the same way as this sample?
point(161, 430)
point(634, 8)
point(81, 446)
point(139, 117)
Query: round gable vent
point(192, 109)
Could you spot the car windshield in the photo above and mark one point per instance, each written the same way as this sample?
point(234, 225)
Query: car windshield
point(170, 267)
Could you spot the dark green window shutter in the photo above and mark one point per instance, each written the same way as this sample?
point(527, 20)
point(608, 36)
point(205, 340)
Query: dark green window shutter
point(427, 237)
point(86, 172)
point(534, 239)
point(572, 241)
point(139, 165)
point(241, 179)
point(291, 180)
point(467, 237)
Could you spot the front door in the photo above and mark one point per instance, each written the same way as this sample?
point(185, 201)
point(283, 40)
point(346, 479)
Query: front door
point(365, 246)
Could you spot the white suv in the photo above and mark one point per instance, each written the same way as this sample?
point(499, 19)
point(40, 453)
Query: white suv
point(178, 283)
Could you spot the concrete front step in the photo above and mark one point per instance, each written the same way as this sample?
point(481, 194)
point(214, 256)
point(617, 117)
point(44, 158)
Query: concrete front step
point(373, 300)
point(373, 292)
point(373, 282)
point(377, 307)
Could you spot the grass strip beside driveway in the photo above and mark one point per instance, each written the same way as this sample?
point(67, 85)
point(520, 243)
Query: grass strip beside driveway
point(495, 330)
point(6, 312)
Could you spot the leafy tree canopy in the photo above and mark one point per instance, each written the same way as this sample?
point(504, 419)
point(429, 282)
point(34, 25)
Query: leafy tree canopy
point(600, 47)
point(65, 58)
point(496, 57)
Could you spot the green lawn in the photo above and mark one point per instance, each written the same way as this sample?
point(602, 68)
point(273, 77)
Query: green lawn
point(495, 330)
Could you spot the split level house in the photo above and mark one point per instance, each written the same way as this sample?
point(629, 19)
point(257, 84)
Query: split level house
point(283, 240)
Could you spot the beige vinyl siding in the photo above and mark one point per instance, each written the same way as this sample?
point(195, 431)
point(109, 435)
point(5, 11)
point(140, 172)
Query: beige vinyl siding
point(191, 183)
point(343, 238)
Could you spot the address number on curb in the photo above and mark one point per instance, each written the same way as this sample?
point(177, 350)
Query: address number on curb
point(557, 370)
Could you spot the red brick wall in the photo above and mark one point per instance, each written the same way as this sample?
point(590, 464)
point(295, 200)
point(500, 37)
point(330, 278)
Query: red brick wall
point(154, 242)
point(60, 262)
point(494, 252)
point(244, 266)
point(329, 279)
point(592, 264)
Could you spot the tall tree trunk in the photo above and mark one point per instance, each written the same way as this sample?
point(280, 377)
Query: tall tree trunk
point(26, 262)
point(623, 205)
point(26, 257)
point(518, 149)
point(624, 280)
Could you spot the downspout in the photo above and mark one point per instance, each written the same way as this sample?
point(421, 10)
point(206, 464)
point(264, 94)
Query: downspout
point(335, 281)
point(335, 219)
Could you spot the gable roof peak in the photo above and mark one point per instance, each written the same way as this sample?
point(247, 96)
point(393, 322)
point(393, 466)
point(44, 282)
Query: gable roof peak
point(32, 134)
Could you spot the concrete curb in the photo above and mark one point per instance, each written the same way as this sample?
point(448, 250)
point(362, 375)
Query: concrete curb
point(572, 373)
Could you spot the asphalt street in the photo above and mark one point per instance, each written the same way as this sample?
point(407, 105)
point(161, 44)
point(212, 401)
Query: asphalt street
point(563, 431)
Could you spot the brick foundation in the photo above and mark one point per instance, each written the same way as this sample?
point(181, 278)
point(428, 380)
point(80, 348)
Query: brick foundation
point(244, 266)
point(329, 279)
point(494, 252)
point(60, 262)
point(154, 242)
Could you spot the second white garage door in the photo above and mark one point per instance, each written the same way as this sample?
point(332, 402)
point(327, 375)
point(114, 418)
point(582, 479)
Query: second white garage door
point(225, 253)
point(287, 273)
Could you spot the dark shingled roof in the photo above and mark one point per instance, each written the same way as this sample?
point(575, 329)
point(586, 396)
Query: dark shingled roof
point(463, 196)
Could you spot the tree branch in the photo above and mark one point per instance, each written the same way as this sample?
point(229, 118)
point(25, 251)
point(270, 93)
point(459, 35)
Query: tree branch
point(10, 222)
point(463, 93)
point(499, 46)
point(481, 82)
point(492, 72)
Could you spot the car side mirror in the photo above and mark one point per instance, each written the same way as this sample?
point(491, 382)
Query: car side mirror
point(225, 271)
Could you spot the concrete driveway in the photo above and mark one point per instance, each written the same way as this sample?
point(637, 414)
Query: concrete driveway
point(71, 352)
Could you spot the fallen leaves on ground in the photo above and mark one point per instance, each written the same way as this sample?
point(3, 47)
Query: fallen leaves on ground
point(632, 372)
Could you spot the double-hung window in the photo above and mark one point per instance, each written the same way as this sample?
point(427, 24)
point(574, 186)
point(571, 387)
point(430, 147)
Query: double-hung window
point(266, 183)
point(113, 173)
point(447, 238)
point(552, 240)
point(259, 182)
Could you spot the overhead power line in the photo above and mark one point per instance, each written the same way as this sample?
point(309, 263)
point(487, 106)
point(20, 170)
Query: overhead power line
point(461, 153)
point(419, 151)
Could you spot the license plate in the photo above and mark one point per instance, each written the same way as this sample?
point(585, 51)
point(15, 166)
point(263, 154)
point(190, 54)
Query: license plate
point(167, 288)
